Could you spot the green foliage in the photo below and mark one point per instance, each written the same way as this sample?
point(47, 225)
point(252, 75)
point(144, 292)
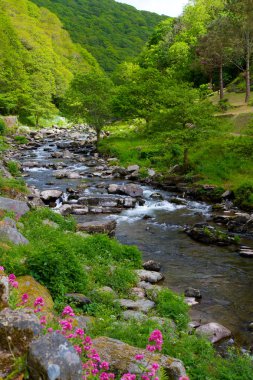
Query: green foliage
point(58, 258)
point(20, 139)
point(173, 306)
point(111, 32)
point(2, 127)
point(11, 186)
point(13, 168)
point(37, 59)
point(89, 99)
point(244, 196)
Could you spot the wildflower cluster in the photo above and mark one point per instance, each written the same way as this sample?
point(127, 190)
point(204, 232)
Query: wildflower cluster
point(12, 281)
point(93, 366)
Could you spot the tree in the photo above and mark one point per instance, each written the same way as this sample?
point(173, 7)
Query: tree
point(89, 99)
point(241, 14)
point(216, 49)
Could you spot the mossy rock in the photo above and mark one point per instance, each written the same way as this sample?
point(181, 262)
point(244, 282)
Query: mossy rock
point(29, 285)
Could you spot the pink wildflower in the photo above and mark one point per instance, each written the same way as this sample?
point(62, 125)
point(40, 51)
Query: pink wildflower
point(68, 311)
point(66, 325)
point(155, 366)
point(78, 349)
point(128, 376)
point(105, 365)
point(50, 329)
point(80, 332)
point(1, 269)
point(139, 357)
point(24, 298)
point(39, 302)
point(156, 338)
point(43, 320)
point(11, 277)
point(14, 284)
point(184, 378)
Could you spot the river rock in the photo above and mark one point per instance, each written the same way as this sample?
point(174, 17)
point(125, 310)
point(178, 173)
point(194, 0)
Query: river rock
point(50, 195)
point(78, 298)
point(133, 168)
point(152, 265)
point(17, 329)
point(132, 190)
point(204, 233)
point(18, 207)
point(190, 301)
point(142, 305)
point(149, 276)
point(156, 196)
point(191, 292)
point(8, 231)
point(65, 209)
point(121, 358)
point(213, 331)
point(138, 292)
point(53, 357)
point(105, 227)
point(73, 175)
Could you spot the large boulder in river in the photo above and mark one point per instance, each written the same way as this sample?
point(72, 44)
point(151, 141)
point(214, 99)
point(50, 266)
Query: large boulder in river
point(50, 195)
point(53, 357)
point(121, 358)
point(105, 227)
point(207, 234)
point(130, 189)
point(17, 329)
point(213, 331)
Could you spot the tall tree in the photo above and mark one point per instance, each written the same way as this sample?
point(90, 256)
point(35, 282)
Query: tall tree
point(241, 14)
point(89, 99)
point(216, 49)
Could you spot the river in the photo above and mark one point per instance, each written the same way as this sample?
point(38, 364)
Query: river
point(224, 278)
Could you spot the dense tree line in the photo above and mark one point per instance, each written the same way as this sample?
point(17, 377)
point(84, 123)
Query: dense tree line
point(37, 60)
point(112, 32)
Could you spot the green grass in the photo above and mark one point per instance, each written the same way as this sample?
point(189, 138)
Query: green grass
point(223, 158)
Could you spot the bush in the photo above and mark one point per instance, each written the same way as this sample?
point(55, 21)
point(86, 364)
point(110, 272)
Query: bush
point(20, 139)
point(172, 306)
point(2, 127)
point(13, 168)
point(244, 196)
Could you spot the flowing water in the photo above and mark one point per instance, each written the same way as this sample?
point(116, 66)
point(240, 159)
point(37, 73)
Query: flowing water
point(224, 278)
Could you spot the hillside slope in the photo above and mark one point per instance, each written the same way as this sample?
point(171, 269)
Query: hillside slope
point(112, 32)
point(37, 59)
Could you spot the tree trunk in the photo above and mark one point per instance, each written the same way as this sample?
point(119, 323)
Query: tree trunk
point(247, 73)
point(98, 132)
point(37, 118)
point(221, 81)
point(186, 159)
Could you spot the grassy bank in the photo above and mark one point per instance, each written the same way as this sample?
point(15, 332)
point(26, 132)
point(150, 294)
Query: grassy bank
point(221, 157)
point(97, 261)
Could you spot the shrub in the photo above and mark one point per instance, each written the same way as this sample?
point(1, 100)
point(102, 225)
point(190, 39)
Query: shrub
point(20, 139)
point(13, 168)
point(244, 196)
point(2, 127)
point(173, 306)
